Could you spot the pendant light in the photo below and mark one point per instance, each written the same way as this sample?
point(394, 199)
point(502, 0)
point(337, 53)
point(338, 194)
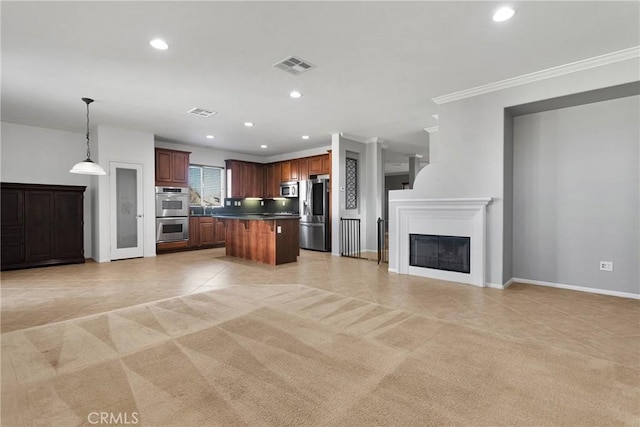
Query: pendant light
point(88, 167)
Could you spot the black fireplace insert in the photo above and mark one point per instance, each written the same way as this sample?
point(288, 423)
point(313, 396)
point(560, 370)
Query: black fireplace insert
point(450, 253)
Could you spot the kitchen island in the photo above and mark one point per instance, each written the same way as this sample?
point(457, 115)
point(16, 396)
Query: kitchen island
point(266, 238)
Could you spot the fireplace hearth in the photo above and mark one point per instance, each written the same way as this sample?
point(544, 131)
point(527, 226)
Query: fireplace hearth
point(449, 253)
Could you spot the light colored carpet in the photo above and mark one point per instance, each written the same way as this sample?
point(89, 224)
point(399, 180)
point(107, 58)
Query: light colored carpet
point(293, 355)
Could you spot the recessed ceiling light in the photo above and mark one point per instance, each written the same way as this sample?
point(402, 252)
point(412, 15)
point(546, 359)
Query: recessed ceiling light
point(503, 14)
point(248, 124)
point(305, 136)
point(295, 94)
point(210, 137)
point(159, 44)
point(263, 146)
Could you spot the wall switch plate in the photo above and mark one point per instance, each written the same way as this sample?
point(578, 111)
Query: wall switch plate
point(279, 229)
point(283, 203)
point(261, 202)
point(606, 265)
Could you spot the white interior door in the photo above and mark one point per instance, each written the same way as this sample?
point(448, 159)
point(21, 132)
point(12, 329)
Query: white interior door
point(126, 201)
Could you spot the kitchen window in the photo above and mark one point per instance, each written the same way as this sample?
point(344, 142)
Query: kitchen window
point(205, 185)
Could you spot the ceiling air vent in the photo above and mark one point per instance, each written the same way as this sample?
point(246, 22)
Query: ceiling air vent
point(201, 112)
point(293, 65)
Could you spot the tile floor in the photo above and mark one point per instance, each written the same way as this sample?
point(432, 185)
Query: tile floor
point(593, 325)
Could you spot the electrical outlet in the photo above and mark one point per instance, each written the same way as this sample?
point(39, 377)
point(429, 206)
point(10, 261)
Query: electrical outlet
point(606, 265)
point(261, 202)
point(283, 203)
point(279, 229)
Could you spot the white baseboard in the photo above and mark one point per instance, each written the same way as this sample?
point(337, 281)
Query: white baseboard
point(576, 288)
point(499, 286)
point(494, 285)
point(392, 270)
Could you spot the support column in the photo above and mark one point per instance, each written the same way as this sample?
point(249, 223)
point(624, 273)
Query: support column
point(414, 168)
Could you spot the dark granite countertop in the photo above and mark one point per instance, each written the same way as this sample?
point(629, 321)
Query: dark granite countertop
point(255, 217)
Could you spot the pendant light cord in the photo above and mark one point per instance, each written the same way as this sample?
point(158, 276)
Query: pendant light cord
point(88, 151)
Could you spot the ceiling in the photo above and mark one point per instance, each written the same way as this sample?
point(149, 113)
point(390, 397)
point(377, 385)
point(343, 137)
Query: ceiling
point(378, 64)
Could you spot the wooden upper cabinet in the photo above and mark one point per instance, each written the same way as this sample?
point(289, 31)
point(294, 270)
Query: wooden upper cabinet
point(235, 181)
point(245, 179)
point(172, 168)
point(316, 165)
point(303, 169)
point(180, 162)
point(326, 163)
point(295, 172)
point(163, 166)
point(258, 174)
point(273, 179)
point(285, 171)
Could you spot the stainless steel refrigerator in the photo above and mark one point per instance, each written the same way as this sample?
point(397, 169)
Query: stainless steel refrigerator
point(314, 214)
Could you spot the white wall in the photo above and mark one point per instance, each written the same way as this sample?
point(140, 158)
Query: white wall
point(471, 146)
point(374, 195)
point(370, 189)
point(37, 155)
point(575, 196)
point(120, 145)
point(209, 156)
point(297, 154)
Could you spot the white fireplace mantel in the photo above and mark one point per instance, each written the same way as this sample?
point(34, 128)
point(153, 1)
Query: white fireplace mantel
point(452, 217)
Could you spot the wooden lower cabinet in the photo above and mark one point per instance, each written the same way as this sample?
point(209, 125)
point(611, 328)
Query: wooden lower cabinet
point(271, 242)
point(205, 232)
point(219, 232)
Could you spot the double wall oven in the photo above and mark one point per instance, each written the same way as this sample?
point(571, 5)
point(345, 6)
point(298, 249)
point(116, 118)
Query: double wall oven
point(172, 214)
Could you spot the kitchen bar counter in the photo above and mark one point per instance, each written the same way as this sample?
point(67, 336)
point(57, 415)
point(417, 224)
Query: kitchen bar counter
point(259, 217)
point(266, 238)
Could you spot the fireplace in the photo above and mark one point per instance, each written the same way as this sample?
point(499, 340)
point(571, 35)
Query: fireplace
point(449, 218)
point(449, 253)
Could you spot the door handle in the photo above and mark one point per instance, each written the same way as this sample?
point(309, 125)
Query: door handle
point(139, 216)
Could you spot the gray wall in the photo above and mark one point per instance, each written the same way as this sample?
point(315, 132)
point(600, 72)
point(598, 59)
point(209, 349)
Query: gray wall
point(507, 236)
point(576, 198)
point(471, 148)
point(392, 182)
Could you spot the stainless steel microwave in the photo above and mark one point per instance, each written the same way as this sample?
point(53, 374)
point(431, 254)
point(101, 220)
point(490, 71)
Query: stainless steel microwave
point(289, 189)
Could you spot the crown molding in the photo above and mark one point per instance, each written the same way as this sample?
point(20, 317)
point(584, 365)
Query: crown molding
point(432, 129)
point(572, 67)
point(361, 139)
